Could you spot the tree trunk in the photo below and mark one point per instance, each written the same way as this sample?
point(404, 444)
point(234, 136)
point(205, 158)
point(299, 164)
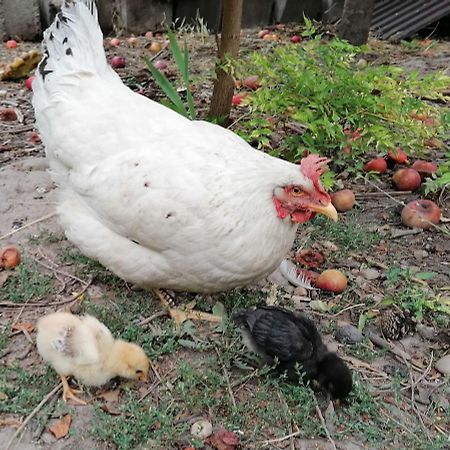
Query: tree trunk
point(355, 23)
point(228, 49)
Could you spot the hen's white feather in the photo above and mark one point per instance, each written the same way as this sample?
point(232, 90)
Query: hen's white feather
point(160, 200)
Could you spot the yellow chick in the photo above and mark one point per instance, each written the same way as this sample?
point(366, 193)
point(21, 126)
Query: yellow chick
point(84, 348)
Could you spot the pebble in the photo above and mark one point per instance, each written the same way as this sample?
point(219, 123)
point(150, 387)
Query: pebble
point(420, 254)
point(348, 334)
point(443, 365)
point(370, 274)
point(201, 429)
point(330, 246)
point(300, 291)
point(427, 332)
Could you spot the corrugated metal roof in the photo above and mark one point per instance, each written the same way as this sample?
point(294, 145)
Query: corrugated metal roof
point(397, 19)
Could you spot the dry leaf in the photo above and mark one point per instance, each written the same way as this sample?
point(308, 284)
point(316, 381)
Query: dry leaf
point(4, 277)
point(110, 396)
point(27, 326)
point(61, 428)
point(12, 422)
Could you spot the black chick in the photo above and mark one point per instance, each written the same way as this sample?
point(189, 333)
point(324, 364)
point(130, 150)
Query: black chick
point(277, 334)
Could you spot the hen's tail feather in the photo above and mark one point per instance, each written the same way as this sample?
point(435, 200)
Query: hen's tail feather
point(73, 43)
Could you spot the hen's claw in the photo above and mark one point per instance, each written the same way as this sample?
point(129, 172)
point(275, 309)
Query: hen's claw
point(69, 393)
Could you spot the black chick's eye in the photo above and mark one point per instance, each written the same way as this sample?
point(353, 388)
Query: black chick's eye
point(296, 191)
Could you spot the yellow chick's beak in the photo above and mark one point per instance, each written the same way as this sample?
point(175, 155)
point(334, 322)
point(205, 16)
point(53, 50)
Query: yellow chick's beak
point(329, 211)
point(143, 377)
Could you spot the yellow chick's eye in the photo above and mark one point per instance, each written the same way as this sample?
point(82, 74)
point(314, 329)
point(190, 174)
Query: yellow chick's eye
point(139, 372)
point(296, 191)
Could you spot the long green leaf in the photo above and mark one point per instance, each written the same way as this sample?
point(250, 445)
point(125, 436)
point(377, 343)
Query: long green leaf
point(167, 87)
point(190, 99)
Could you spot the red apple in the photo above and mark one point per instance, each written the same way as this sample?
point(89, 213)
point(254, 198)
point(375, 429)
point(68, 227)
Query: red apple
point(148, 35)
point(332, 280)
point(237, 99)
point(9, 257)
point(296, 39)
point(252, 82)
point(376, 165)
point(114, 42)
point(343, 200)
point(35, 137)
point(421, 214)
point(117, 62)
point(11, 44)
point(262, 33)
point(29, 82)
point(398, 156)
point(425, 168)
point(406, 180)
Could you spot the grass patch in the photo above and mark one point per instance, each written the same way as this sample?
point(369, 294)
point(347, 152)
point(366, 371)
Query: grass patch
point(348, 234)
point(46, 237)
point(24, 388)
point(26, 283)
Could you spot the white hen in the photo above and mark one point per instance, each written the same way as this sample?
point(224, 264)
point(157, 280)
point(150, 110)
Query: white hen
point(160, 200)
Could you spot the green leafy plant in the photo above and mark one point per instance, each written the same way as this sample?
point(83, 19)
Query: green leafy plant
point(182, 61)
point(323, 99)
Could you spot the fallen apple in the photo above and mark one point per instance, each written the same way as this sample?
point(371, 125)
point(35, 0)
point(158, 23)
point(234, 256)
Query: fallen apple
point(8, 114)
point(252, 82)
point(11, 44)
point(9, 257)
point(148, 35)
point(332, 280)
point(421, 214)
point(425, 168)
point(376, 165)
point(35, 137)
point(296, 39)
point(263, 33)
point(29, 82)
point(237, 99)
point(398, 156)
point(114, 42)
point(343, 200)
point(155, 47)
point(132, 41)
point(160, 64)
point(406, 180)
point(117, 62)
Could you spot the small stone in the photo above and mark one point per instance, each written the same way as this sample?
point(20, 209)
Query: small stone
point(300, 291)
point(201, 429)
point(427, 332)
point(330, 246)
point(420, 254)
point(348, 334)
point(370, 274)
point(443, 365)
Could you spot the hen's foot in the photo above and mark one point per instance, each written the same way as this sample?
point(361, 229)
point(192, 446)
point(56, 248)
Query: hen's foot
point(178, 315)
point(69, 393)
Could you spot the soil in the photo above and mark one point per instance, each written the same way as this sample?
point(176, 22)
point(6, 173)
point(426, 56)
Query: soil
point(27, 194)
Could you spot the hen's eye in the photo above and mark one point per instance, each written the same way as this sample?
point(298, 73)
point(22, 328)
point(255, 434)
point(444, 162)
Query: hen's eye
point(296, 191)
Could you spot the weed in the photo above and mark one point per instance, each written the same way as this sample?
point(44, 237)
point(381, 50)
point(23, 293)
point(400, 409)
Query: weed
point(182, 62)
point(46, 237)
point(26, 283)
point(345, 110)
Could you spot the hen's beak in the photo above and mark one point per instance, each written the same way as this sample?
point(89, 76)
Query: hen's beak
point(328, 210)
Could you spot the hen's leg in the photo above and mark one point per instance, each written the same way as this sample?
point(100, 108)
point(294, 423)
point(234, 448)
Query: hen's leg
point(69, 393)
point(179, 315)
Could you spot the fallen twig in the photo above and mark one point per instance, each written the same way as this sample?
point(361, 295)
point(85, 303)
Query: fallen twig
point(227, 378)
point(32, 414)
point(27, 225)
point(380, 342)
point(324, 426)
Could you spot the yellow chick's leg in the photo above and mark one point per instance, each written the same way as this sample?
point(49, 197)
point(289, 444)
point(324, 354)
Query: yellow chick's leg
point(69, 393)
point(178, 315)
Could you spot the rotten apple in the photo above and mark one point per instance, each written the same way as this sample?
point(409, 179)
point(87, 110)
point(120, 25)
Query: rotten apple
point(343, 200)
point(421, 214)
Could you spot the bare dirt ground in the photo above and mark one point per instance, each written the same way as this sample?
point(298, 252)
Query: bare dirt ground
point(400, 399)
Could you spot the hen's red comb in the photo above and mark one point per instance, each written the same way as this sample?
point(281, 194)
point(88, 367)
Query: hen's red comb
point(313, 166)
